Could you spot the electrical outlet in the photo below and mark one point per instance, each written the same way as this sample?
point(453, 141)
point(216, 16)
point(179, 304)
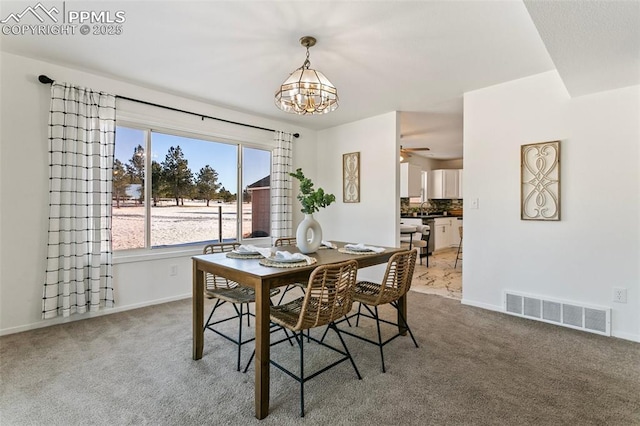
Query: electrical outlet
point(620, 295)
point(173, 270)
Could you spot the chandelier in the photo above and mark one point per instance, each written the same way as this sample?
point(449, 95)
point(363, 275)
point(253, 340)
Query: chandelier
point(307, 91)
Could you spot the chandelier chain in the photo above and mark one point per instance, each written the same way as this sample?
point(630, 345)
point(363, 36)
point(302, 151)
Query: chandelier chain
point(307, 62)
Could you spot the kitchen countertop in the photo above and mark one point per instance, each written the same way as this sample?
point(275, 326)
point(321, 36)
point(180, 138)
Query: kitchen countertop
point(430, 216)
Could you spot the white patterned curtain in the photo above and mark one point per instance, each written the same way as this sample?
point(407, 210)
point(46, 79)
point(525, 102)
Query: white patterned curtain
point(81, 147)
point(281, 184)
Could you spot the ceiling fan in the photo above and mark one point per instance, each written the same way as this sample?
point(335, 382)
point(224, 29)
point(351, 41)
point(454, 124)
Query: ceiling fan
point(406, 152)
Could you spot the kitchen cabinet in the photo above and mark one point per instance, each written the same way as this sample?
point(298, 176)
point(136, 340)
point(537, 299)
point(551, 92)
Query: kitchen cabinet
point(410, 180)
point(443, 233)
point(425, 186)
point(445, 184)
point(446, 234)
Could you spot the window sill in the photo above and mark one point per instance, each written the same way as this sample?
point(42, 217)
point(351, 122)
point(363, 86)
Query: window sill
point(147, 255)
point(131, 256)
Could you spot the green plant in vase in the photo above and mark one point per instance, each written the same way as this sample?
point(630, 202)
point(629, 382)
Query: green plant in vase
point(312, 200)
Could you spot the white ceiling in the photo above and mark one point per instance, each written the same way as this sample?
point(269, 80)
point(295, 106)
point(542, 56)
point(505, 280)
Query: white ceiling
point(595, 45)
point(416, 57)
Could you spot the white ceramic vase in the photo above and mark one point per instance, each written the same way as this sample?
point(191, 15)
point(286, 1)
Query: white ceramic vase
point(305, 244)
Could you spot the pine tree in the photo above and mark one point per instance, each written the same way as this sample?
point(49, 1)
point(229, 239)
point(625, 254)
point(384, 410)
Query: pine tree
point(157, 182)
point(226, 195)
point(135, 169)
point(176, 173)
point(207, 183)
point(120, 181)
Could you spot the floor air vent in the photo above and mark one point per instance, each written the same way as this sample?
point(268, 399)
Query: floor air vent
point(593, 319)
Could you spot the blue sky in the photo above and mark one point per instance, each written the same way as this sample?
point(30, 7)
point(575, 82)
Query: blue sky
point(220, 156)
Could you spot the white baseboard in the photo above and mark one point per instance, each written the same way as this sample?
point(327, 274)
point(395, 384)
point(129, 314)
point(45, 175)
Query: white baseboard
point(626, 336)
point(496, 308)
point(78, 317)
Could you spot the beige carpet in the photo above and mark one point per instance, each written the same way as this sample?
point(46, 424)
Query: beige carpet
point(473, 367)
point(440, 277)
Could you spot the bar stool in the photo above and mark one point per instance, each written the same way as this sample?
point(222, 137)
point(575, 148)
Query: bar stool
point(423, 243)
point(406, 233)
point(459, 254)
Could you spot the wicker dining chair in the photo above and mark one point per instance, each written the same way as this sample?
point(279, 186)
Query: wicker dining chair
point(396, 283)
point(224, 290)
point(288, 241)
point(329, 296)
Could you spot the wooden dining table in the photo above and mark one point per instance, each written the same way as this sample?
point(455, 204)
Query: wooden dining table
point(249, 273)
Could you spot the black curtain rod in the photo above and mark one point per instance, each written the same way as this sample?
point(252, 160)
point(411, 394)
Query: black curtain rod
point(46, 80)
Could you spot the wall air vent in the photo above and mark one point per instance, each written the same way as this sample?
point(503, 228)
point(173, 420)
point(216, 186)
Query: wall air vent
point(594, 319)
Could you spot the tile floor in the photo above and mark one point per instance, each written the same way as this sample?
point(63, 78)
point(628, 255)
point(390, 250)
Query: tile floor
point(440, 277)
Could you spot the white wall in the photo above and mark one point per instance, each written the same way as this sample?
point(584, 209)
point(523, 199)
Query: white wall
point(24, 104)
point(594, 248)
point(451, 164)
point(596, 245)
point(425, 163)
point(376, 218)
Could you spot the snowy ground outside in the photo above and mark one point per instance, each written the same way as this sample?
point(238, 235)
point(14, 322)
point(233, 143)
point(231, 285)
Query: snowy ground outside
point(171, 224)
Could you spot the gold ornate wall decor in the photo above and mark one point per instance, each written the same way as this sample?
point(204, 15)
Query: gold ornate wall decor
point(540, 181)
point(351, 177)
